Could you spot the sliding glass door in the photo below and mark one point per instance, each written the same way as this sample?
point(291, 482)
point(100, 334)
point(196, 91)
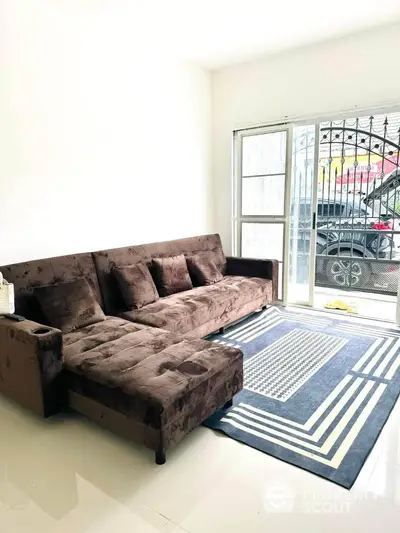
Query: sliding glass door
point(303, 215)
point(262, 196)
point(321, 199)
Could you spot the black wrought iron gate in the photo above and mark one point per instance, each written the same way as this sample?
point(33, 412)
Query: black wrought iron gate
point(358, 208)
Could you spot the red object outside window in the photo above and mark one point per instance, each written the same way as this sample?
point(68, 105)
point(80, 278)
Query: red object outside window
point(382, 225)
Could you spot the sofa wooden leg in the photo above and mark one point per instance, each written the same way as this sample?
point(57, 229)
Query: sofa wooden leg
point(160, 456)
point(228, 404)
point(221, 331)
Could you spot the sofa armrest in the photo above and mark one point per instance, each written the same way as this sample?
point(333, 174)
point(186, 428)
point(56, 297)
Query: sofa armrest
point(257, 268)
point(31, 365)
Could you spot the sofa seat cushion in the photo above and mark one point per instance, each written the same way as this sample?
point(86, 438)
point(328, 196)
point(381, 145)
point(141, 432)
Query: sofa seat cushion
point(188, 310)
point(146, 373)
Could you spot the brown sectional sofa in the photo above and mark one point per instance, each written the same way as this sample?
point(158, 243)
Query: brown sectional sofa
point(146, 373)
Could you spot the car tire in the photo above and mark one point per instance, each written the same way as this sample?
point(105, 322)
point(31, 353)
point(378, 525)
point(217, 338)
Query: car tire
point(348, 273)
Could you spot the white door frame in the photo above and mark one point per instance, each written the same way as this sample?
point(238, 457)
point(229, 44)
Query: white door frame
point(313, 243)
point(284, 219)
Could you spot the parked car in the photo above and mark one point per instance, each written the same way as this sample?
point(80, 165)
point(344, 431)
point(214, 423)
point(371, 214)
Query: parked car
point(354, 234)
point(347, 238)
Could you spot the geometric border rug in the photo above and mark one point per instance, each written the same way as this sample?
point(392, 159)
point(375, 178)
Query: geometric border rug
point(317, 389)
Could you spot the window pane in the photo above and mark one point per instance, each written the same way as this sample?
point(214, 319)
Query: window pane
point(264, 154)
point(262, 241)
point(263, 196)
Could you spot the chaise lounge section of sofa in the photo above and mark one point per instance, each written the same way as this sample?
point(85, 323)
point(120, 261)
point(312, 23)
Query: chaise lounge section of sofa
point(146, 374)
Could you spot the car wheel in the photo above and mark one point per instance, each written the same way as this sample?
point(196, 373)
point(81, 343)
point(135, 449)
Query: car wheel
point(343, 272)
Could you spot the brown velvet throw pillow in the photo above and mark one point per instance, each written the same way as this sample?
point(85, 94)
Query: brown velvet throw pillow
point(69, 306)
point(171, 275)
point(136, 285)
point(203, 270)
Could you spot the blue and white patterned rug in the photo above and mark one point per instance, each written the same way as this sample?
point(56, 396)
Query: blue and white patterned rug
point(317, 389)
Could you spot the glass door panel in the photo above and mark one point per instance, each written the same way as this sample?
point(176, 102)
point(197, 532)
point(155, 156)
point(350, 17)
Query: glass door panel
point(302, 217)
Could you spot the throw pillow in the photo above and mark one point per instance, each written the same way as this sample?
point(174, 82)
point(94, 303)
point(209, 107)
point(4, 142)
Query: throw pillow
point(136, 285)
point(69, 306)
point(171, 275)
point(203, 270)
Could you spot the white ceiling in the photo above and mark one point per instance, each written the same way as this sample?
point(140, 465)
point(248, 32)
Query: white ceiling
point(218, 33)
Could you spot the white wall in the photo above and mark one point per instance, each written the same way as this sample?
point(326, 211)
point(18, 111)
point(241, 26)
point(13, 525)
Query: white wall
point(350, 73)
point(104, 139)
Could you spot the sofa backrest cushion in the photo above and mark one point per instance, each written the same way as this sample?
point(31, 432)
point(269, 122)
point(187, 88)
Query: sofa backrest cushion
point(136, 285)
point(203, 270)
point(106, 260)
point(171, 275)
point(27, 276)
point(69, 306)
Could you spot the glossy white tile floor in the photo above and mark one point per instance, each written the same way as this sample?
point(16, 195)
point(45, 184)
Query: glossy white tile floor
point(68, 475)
point(370, 305)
